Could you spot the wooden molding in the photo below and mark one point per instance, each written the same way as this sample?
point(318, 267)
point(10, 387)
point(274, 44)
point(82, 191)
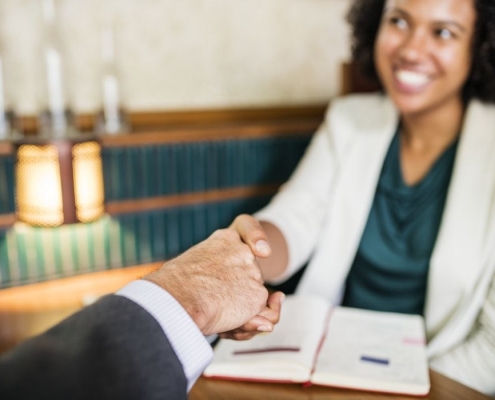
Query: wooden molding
point(225, 116)
point(145, 120)
point(156, 203)
point(194, 134)
point(194, 125)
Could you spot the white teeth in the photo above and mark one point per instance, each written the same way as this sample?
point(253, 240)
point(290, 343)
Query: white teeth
point(412, 78)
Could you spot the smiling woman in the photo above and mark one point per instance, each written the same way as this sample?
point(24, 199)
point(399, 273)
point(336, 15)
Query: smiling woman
point(392, 205)
point(365, 18)
point(423, 55)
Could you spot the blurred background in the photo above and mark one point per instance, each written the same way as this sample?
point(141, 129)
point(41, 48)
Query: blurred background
point(215, 102)
point(182, 55)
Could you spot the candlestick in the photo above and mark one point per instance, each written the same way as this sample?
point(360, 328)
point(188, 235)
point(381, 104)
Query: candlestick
point(55, 120)
point(7, 128)
point(55, 85)
point(4, 124)
point(112, 119)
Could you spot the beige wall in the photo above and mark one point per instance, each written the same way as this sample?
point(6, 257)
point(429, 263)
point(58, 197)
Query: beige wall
point(179, 54)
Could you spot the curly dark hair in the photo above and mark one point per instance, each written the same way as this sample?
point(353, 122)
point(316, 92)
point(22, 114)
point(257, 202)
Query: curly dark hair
point(365, 16)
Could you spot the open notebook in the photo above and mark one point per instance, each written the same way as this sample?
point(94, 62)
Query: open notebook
point(342, 347)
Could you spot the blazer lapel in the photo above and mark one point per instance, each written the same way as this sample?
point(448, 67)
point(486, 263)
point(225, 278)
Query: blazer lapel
point(457, 260)
point(361, 163)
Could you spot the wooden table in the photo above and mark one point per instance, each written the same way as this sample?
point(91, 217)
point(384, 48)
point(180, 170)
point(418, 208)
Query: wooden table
point(442, 388)
point(28, 310)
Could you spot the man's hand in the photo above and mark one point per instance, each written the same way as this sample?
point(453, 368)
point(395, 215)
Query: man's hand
point(219, 284)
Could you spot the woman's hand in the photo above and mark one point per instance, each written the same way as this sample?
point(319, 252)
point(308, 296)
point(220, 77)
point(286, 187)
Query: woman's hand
point(253, 234)
point(266, 242)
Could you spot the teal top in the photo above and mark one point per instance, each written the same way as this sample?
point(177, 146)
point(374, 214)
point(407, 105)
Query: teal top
point(390, 270)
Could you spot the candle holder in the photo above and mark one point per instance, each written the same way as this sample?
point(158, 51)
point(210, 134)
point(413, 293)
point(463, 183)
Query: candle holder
point(57, 125)
point(59, 181)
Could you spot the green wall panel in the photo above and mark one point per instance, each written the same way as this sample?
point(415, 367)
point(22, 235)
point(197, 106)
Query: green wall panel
point(29, 254)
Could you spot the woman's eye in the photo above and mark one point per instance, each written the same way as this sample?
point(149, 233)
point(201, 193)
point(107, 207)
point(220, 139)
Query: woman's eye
point(398, 22)
point(444, 34)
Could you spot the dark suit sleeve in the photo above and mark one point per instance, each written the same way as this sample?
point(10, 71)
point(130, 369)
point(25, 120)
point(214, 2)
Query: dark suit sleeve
point(113, 349)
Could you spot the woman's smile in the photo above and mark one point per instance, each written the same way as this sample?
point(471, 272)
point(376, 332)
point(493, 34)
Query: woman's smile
point(409, 81)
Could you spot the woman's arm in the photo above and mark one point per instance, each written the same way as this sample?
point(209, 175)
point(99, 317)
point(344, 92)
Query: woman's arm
point(292, 223)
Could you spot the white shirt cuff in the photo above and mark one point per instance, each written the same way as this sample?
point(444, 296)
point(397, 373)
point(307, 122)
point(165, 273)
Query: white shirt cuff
point(186, 339)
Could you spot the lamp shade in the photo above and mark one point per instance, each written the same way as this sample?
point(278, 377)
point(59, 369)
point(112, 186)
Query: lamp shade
point(59, 181)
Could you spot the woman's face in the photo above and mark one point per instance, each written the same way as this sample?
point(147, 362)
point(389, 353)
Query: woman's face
point(423, 52)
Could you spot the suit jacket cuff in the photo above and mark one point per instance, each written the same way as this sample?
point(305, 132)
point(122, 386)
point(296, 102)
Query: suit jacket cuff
point(188, 342)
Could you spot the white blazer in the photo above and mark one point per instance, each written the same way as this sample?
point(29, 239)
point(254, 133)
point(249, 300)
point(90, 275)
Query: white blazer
point(322, 211)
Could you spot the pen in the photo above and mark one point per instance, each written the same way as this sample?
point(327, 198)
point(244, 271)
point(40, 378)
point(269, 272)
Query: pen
point(376, 360)
point(267, 350)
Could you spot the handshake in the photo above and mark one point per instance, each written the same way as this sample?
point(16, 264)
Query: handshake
point(122, 348)
point(219, 282)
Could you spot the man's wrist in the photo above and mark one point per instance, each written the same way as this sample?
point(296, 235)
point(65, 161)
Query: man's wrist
point(180, 294)
point(189, 344)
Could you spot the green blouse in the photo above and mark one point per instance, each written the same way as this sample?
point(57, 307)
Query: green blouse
point(390, 270)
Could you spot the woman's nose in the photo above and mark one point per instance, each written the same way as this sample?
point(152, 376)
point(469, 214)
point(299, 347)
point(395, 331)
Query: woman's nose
point(415, 47)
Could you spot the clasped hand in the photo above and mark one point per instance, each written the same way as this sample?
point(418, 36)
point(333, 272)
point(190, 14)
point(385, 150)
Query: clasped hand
point(219, 282)
point(254, 236)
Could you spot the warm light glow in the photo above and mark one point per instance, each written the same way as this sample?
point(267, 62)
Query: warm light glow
point(59, 183)
point(88, 181)
point(38, 190)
